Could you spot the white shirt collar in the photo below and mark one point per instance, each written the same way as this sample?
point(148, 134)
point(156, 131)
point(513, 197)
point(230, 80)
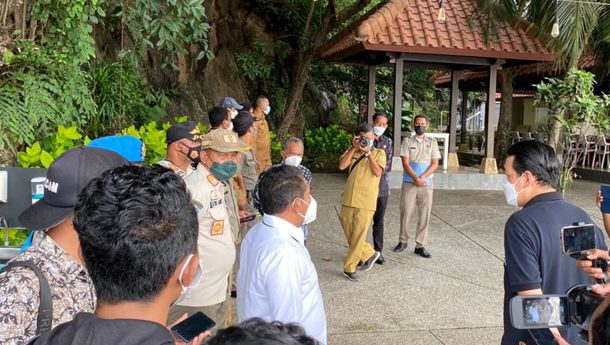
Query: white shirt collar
point(284, 226)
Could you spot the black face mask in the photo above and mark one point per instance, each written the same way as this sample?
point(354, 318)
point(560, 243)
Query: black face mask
point(194, 154)
point(419, 130)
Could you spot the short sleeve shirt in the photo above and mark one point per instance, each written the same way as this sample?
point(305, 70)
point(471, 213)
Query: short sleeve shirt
point(362, 186)
point(420, 151)
point(534, 259)
point(248, 167)
point(167, 164)
point(216, 243)
point(71, 288)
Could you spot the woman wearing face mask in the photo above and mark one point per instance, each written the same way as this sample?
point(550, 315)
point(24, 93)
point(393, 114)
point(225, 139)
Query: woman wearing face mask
point(219, 157)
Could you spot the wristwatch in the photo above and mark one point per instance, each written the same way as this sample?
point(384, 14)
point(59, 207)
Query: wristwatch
point(367, 154)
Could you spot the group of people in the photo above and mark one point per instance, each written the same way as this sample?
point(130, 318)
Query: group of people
point(125, 250)
point(366, 193)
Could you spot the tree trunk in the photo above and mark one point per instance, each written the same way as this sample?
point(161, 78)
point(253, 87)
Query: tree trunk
point(291, 122)
point(506, 112)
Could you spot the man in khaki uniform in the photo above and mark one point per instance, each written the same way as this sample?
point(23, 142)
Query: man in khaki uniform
point(261, 142)
point(420, 157)
point(359, 200)
point(219, 157)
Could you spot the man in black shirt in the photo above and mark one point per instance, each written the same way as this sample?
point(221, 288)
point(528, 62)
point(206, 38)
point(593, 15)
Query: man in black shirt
point(138, 235)
point(535, 263)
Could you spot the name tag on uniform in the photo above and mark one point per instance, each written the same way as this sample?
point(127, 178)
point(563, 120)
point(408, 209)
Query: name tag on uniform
point(215, 199)
point(218, 227)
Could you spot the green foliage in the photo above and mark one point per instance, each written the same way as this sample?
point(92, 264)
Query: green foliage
point(69, 25)
point(16, 237)
point(122, 98)
point(276, 148)
point(576, 109)
point(331, 139)
point(255, 63)
point(42, 154)
point(37, 95)
point(170, 26)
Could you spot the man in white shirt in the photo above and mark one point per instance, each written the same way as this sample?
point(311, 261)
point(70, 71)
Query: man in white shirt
point(277, 279)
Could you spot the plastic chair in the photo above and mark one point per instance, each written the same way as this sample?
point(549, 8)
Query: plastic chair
point(602, 150)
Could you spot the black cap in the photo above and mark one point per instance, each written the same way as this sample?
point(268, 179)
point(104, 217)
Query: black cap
point(66, 177)
point(242, 122)
point(183, 130)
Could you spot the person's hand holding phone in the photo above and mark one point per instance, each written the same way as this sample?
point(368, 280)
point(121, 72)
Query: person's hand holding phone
point(587, 265)
point(195, 341)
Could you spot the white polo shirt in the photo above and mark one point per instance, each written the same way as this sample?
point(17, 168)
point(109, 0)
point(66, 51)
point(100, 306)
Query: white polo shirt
point(277, 279)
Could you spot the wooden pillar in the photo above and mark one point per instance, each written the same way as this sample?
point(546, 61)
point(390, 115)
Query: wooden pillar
point(397, 104)
point(489, 166)
point(371, 95)
point(452, 160)
point(464, 117)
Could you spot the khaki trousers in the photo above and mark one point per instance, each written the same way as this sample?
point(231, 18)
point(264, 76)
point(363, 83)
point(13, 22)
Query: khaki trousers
point(356, 222)
point(420, 198)
point(215, 312)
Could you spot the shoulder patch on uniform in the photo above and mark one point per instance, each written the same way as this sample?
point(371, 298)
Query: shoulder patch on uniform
point(213, 180)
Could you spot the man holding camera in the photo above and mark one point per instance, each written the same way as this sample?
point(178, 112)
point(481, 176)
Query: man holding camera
point(535, 263)
point(359, 200)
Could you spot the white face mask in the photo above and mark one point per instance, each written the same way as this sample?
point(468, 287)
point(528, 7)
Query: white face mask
point(378, 130)
point(233, 114)
point(230, 126)
point(510, 193)
point(312, 211)
point(195, 282)
point(294, 161)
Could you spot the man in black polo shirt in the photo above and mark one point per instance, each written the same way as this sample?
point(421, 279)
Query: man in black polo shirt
point(534, 261)
point(138, 237)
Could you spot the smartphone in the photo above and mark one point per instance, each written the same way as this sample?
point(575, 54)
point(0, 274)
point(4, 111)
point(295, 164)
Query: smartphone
point(577, 239)
point(247, 219)
point(543, 337)
point(193, 326)
point(542, 311)
point(605, 190)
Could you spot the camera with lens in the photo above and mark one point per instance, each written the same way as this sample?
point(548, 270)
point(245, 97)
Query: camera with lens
point(364, 141)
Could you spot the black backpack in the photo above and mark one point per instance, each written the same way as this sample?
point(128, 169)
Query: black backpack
point(45, 308)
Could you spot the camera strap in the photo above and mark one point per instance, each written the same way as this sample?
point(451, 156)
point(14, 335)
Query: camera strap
point(45, 306)
point(351, 168)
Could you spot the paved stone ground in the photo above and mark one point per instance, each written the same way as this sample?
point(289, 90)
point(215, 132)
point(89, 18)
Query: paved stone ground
point(453, 298)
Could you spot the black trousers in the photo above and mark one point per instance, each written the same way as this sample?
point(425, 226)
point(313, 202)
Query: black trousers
point(382, 202)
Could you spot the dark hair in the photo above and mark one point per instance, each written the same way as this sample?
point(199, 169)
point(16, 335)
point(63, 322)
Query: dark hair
point(538, 158)
point(420, 116)
point(377, 114)
point(365, 128)
point(217, 115)
point(600, 328)
point(256, 331)
point(247, 107)
point(135, 225)
point(278, 187)
point(259, 99)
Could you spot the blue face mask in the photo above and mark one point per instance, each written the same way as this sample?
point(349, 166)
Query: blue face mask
point(224, 171)
point(267, 110)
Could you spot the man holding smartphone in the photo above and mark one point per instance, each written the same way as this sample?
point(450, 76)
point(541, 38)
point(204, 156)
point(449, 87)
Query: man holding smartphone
point(124, 219)
point(535, 263)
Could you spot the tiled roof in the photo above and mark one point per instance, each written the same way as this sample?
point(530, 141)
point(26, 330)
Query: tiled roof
point(411, 26)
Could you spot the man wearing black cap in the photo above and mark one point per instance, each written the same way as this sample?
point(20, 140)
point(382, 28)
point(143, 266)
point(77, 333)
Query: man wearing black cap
point(183, 148)
point(28, 306)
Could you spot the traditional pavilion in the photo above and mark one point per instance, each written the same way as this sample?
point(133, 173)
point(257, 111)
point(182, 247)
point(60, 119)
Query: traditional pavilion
point(420, 34)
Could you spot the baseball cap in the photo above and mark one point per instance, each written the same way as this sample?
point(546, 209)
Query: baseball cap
point(221, 140)
point(229, 102)
point(127, 146)
point(66, 177)
point(183, 130)
point(242, 122)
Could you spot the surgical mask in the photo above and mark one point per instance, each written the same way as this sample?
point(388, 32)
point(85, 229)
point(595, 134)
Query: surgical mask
point(267, 110)
point(419, 130)
point(312, 211)
point(233, 114)
point(195, 282)
point(378, 130)
point(230, 126)
point(294, 161)
point(254, 133)
point(224, 171)
point(371, 143)
point(510, 193)
point(191, 154)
